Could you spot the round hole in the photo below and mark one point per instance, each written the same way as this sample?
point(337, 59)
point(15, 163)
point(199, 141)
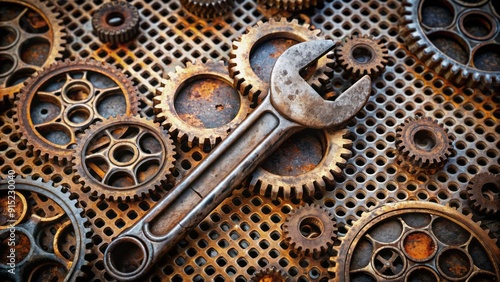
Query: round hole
point(436, 13)
point(311, 227)
point(477, 25)
point(77, 91)
point(388, 262)
point(35, 51)
point(115, 19)
point(422, 273)
point(123, 154)
point(419, 246)
point(125, 257)
point(487, 57)
point(77, 115)
point(454, 263)
point(491, 191)
point(8, 37)
point(362, 54)
point(451, 44)
point(424, 140)
point(7, 64)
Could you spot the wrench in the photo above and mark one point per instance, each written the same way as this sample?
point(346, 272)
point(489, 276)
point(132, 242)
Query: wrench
point(290, 106)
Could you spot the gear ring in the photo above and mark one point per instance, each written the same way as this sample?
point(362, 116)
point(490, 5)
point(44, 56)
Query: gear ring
point(208, 8)
point(69, 265)
point(252, 79)
point(310, 229)
point(124, 158)
point(190, 93)
point(270, 274)
point(290, 5)
point(423, 143)
point(116, 22)
point(42, 29)
point(482, 193)
point(335, 152)
point(64, 99)
point(362, 55)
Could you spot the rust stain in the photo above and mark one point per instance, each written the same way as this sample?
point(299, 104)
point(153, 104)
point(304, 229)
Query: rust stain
point(192, 119)
point(419, 245)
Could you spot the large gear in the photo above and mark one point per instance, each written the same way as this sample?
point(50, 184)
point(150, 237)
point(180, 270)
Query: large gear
point(254, 53)
point(199, 104)
point(416, 241)
point(292, 173)
point(32, 38)
point(124, 158)
point(270, 274)
point(64, 99)
point(482, 191)
point(208, 8)
point(362, 55)
point(290, 5)
point(456, 41)
point(38, 256)
point(310, 229)
point(116, 22)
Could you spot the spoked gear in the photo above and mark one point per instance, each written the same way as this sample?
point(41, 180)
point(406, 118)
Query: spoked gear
point(458, 42)
point(199, 104)
point(310, 229)
point(116, 22)
point(303, 165)
point(61, 255)
point(208, 8)
point(254, 53)
point(32, 37)
point(64, 99)
point(416, 241)
point(124, 158)
point(483, 192)
point(362, 55)
point(423, 143)
point(270, 274)
point(290, 5)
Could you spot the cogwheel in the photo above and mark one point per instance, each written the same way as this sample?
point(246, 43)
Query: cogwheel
point(415, 241)
point(362, 55)
point(199, 104)
point(483, 192)
point(270, 274)
point(423, 142)
point(277, 180)
point(290, 5)
point(64, 99)
point(124, 158)
point(310, 229)
point(448, 43)
point(208, 8)
point(116, 22)
point(254, 53)
point(39, 21)
point(34, 261)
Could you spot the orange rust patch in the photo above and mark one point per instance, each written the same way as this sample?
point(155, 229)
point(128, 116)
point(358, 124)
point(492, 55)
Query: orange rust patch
point(419, 245)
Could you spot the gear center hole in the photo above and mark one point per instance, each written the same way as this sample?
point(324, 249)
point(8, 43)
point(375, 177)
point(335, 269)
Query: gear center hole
point(491, 191)
point(77, 91)
point(425, 140)
point(362, 54)
point(77, 115)
point(123, 154)
point(311, 227)
point(115, 19)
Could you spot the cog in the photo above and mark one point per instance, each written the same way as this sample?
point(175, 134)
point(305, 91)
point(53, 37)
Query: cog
point(290, 5)
point(64, 99)
point(208, 8)
point(270, 274)
point(483, 192)
point(199, 104)
point(362, 55)
point(310, 229)
point(124, 158)
point(254, 53)
point(36, 24)
point(116, 22)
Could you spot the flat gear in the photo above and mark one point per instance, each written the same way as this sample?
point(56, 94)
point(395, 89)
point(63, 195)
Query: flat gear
point(124, 158)
point(335, 154)
point(290, 5)
point(482, 193)
point(362, 55)
point(310, 229)
point(21, 67)
point(212, 92)
point(270, 274)
point(64, 99)
point(208, 8)
point(252, 79)
point(116, 22)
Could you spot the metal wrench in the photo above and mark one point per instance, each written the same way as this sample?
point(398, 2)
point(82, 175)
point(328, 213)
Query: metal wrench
point(290, 106)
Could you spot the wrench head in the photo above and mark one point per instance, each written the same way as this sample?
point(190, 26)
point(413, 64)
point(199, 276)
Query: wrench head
point(296, 100)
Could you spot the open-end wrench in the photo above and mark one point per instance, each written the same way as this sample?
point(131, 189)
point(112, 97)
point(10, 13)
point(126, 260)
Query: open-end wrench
point(290, 106)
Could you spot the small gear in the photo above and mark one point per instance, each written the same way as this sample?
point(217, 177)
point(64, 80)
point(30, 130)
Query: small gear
point(35, 24)
point(116, 22)
point(208, 8)
point(290, 5)
point(310, 229)
point(270, 274)
point(362, 55)
point(64, 99)
point(124, 158)
point(314, 176)
point(423, 142)
point(199, 104)
point(483, 191)
point(254, 53)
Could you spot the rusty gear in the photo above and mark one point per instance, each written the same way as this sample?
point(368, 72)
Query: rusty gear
point(415, 241)
point(208, 8)
point(64, 99)
point(483, 190)
point(36, 25)
point(124, 158)
point(270, 274)
point(290, 5)
point(253, 54)
point(423, 142)
point(116, 22)
point(190, 94)
point(362, 55)
point(314, 176)
point(46, 207)
point(310, 229)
